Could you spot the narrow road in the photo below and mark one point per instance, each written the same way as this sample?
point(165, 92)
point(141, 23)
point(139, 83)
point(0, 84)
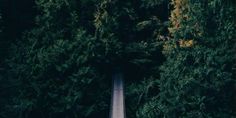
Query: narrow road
point(117, 107)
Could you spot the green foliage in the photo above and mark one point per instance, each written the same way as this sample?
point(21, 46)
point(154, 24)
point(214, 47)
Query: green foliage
point(176, 64)
point(126, 34)
point(152, 3)
point(55, 64)
point(130, 33)
point(199, 81)
point(55, 78)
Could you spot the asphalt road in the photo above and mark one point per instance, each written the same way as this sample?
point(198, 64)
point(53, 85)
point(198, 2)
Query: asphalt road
point(118, 108)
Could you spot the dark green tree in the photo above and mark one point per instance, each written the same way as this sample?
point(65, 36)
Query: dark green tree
point(55, 64)
point(59, 65)
point(198, 78)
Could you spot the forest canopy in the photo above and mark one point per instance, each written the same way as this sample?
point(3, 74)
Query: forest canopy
point(57, 58)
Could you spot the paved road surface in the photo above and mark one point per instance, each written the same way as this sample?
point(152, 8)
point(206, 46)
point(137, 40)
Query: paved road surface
point(117, 108)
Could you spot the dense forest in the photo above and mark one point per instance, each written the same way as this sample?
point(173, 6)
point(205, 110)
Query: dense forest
point(57, 58)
